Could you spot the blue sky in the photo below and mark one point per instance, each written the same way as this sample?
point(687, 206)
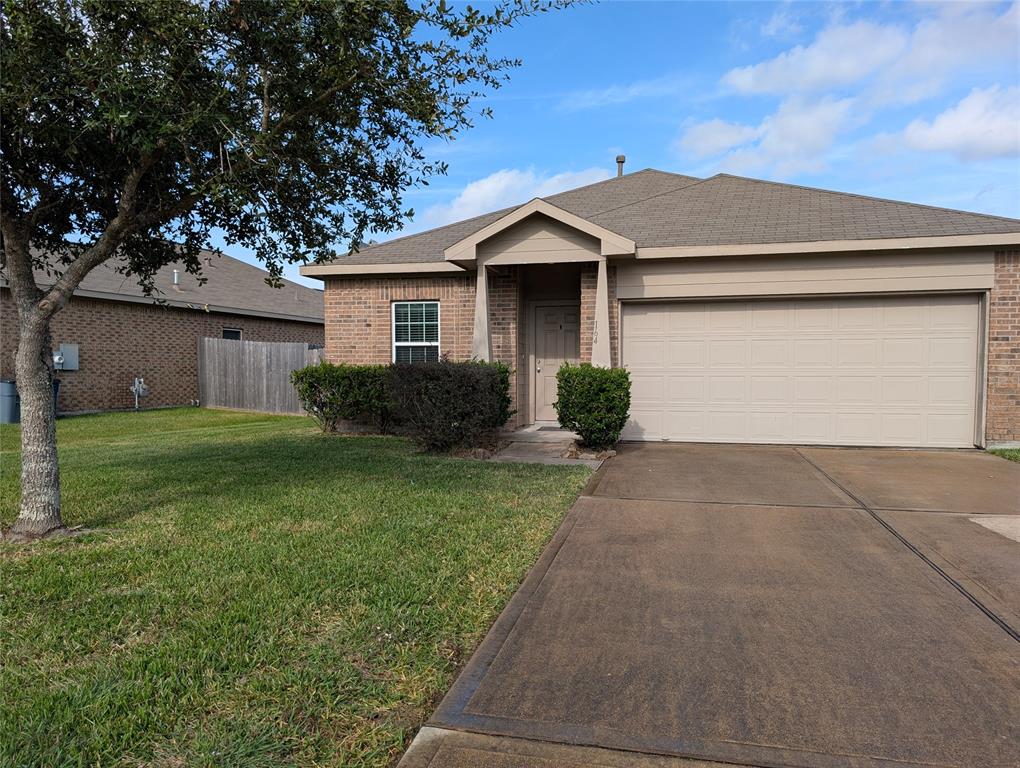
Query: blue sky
point(907, 100)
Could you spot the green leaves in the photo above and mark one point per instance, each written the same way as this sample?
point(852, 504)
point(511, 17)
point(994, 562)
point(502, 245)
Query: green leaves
point(292, 127)
point(593, 402)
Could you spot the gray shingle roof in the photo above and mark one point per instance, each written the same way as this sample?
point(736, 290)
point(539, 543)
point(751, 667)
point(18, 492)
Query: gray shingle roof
point(230, 284)
point(732, 210)
point(584, 202)
point(658, 209)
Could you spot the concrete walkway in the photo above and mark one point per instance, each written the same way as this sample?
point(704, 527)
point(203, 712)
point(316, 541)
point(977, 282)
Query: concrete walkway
point(767, 606)
point(541, 445)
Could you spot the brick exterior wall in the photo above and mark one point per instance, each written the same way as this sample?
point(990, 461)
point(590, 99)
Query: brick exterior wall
point(360, 328)
point(1003, 411)
point(120, 340)
point(359, 321)
point(589, 279)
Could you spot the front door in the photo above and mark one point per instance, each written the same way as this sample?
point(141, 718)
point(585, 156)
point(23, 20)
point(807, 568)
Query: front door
point(556, 341)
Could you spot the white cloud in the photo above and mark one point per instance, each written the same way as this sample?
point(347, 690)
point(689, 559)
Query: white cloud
point(985, 124)
point(505, 188)
point(715, 136)
point(794, 139)
point(855, 71)
point(781, 25)
point(622, 94)
point(839, 56)
point(888, 63)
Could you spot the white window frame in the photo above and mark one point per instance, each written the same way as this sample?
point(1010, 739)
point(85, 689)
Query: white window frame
point(240, 334)
point(393, 328)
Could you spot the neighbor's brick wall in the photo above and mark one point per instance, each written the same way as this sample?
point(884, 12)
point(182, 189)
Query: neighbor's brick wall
point(1003, 411)
point(589, 279)
point(359, 321)
point(120, 340)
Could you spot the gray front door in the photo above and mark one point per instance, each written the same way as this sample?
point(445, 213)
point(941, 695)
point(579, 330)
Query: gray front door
point(556, 341)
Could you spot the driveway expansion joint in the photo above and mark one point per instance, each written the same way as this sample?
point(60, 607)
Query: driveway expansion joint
point(1002, 623)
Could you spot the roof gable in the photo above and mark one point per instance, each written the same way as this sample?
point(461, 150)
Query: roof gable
point(610, 243)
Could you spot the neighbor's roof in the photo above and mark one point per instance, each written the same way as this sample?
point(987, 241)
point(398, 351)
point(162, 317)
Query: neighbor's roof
point(661, 210)
point(231, 285)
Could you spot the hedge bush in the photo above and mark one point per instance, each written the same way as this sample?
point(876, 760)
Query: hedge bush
point(449, 405)
point(593, 402)
point(334, 393)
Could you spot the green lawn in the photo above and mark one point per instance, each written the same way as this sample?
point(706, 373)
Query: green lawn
point(1013, 454)
point(256, 593)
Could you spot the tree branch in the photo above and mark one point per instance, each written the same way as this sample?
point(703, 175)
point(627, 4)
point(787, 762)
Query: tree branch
point(119, 227)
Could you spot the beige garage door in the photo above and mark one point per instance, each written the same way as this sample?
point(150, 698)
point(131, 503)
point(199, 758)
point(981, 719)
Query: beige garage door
point(847, 371)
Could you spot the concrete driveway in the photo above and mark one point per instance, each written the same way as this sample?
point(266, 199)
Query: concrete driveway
point(752, 605)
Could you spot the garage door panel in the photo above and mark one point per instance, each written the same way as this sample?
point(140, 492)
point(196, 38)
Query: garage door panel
point(770, 353)
point(952, 352)
point(727, 317)
point(853, 371)
point(645, 388)
point(770, 389)
point(857, 390)
point(731, 353)
point(686, 354)
point(953, 391)
point(687, 389)
point(903, 428)
point(857, 353)
point(812, 390)
point(851, 317)
point(813, 353)
point(904, 390)
point(906, 352)
point(819, 316)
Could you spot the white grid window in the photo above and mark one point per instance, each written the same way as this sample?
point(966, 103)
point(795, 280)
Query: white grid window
point(415, 331)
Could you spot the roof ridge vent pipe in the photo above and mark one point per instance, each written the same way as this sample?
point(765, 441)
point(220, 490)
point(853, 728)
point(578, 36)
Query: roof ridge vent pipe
point(177, 280)
point(620, 160)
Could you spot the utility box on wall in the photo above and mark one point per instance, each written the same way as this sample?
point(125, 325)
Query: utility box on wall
point(66, 358)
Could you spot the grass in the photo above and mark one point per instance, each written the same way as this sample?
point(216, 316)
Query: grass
point(256, 593)
point(1013, 454)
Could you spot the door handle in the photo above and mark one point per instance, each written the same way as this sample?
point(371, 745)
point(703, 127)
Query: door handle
point(538, 366)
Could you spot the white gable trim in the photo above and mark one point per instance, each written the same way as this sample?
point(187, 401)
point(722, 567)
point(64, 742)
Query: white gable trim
point(611, 244)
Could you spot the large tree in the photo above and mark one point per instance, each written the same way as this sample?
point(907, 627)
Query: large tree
point(133, 130)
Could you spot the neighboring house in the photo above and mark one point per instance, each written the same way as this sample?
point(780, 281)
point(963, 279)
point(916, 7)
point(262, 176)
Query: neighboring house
point(118, 333)
point(745, 310)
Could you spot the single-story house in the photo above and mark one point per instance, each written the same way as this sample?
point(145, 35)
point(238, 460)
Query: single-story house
point(110, 332)
point(745, 310)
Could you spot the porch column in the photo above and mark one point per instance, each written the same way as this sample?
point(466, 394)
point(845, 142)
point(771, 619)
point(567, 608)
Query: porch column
point(480, 347)
point(600, 333)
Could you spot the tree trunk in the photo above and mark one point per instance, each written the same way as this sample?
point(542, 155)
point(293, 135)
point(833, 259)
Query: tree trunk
point(40, 475)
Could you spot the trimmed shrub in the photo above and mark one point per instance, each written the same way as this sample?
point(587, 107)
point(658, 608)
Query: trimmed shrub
point(593, 402)
point(449, 405)
point(334, 393)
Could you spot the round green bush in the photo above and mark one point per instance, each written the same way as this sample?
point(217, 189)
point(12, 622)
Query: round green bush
point(593, 402)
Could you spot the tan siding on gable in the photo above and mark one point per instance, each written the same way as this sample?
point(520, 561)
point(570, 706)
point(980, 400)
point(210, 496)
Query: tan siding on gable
point(778, 276)
point(538, 240)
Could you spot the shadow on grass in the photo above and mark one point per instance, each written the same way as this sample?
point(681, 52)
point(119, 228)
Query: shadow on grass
point(272, 472)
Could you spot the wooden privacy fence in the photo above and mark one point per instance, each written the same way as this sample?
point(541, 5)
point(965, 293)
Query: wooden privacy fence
point(251, 375)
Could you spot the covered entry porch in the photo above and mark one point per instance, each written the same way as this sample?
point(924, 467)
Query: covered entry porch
point(542, 298)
